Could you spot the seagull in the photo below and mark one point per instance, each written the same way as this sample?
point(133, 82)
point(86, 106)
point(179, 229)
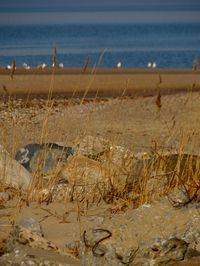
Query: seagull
point(61, 65)
point(25, 66)
point(119, 65)
point(149, 65)
point(44, 65)
point(8, 67)
point(154, 65)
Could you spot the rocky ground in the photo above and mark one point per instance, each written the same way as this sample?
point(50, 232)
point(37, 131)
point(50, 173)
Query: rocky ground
point(133, 123)
point(110, 181)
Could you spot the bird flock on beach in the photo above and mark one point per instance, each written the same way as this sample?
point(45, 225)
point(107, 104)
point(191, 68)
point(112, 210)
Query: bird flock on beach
point(61, 65)
point(25, 66)
point(151, 65)
point(40, 66)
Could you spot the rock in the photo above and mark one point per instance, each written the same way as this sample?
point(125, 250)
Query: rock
point(189, 262)
point(30, 224)
point(170, 250)
point(4, 196)
point(11, 172)
point(93, 147)
point(3, 245)
point(92, 180)
point(82, 176)
point(23, 255)
point(99, 170)
point(28, 232)
point(179, 197)
point(25, 154)
point(157, 234)
point(117, 172)
point(100, 149)
point(173, 164)
point(159, 174)
point(43, 158)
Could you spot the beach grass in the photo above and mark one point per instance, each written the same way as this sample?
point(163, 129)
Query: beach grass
point(186, 176)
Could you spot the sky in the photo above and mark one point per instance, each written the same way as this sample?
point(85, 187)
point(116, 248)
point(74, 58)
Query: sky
point(38, 3)
point(115, 11)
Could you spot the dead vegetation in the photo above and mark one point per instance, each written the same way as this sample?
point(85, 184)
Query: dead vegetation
point(159, 173)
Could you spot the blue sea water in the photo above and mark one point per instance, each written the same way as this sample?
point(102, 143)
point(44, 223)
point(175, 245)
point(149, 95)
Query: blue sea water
point(132, 36)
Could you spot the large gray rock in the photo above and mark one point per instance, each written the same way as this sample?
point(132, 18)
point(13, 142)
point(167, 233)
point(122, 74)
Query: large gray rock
point(171, 164)
point(11, 172)
point(101, 170)
point(98, 170)
point(92, 180)
point(160, 173)
point(156, 234)
point(43, 159)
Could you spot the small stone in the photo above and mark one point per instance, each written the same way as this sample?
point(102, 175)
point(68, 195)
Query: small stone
point(93, 147)
point(30, 224)
point(4, 196)
point(179, 197)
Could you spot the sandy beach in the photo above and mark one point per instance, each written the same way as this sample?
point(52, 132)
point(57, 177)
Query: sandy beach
point(97, 82)
point(100, 133)
point(135, 124)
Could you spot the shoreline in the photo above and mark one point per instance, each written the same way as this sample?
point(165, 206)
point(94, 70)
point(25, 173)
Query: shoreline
point(100, 82)
point(78, 70)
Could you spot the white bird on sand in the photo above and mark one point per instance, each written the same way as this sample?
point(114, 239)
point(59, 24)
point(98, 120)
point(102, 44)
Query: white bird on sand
point(154, 65)
point(44, 65)
point(149, 65)
point(119, 65)
point(8, 67)
point(61, 65)
point(25, 66)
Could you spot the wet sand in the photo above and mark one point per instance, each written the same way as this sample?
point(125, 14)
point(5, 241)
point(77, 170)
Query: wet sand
point(97, 82)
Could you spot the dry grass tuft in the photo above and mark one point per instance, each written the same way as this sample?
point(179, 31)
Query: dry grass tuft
point(195, 63)
point(87, 62)
point(54, 57)
point(13, 69)
point(160, 174)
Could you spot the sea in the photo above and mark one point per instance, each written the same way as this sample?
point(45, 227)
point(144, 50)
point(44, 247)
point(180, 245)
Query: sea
point(133, 35)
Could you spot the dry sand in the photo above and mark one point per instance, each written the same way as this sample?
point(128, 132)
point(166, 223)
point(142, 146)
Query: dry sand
point(133, 122)
point(136, 123)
